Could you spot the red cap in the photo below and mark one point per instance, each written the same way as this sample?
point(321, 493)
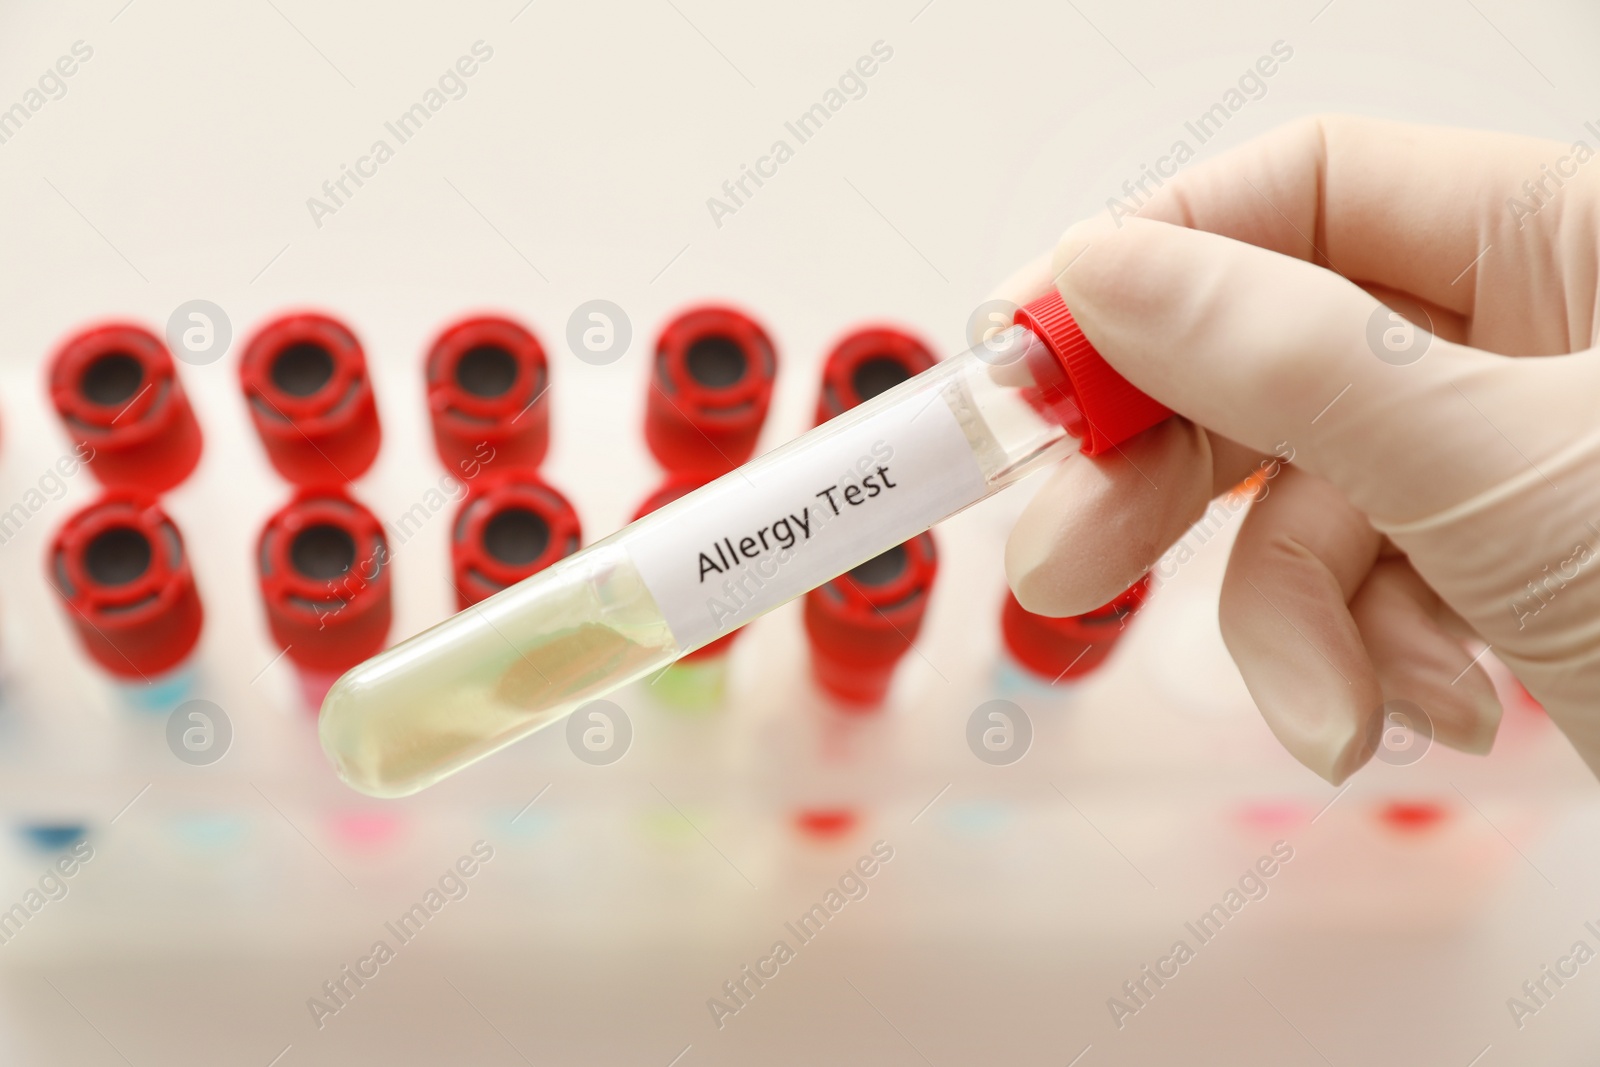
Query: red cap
point(324, 563)
point(305, 379)
point(863, 621)
point(675, 486)
point(1073, 646)
point(510, 526)
point(1111, 409)
point(486, 392)
point(117, 390)
point(709, 390)
point(866, 363)
point(120, 568)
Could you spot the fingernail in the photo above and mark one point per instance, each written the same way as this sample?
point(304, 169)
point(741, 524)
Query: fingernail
point(1350, 756)
point(1027, 551)
point(1073, 248)
point(1325, 732)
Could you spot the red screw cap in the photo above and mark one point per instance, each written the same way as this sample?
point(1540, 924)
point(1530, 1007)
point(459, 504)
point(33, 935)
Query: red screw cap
point(120, 569)
point(305, 379)
point(509, 526)
point(324, 566)
point(1110, 407)
point(709, 391)
point(866, 363)
point(863, 621)
point(675, 486)
point(116, 388)
point(486, 384)
point(1069, 647)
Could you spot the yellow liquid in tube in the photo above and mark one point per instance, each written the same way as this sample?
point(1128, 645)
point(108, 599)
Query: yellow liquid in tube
point(496, 673)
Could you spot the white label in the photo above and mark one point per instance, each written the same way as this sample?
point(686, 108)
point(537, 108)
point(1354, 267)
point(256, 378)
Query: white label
point(766, 534)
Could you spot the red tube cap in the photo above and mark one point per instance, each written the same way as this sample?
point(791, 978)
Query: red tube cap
point(675, 486)
point(486, 392)
point(509, 526)
point(709, 390)
point(866, 363)
point(120, 569)
point(117, 390)
point(863, 621)
point(1068, 647)
point(305, 379)
point(324, 564)
point(1111, 408)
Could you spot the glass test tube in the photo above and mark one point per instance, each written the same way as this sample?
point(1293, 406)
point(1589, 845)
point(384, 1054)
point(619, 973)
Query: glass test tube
point(728, 552)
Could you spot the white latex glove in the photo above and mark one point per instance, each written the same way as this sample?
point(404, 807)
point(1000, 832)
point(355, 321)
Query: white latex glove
point(1453, 497)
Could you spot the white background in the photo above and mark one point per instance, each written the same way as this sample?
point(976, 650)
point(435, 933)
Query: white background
point(577, 166)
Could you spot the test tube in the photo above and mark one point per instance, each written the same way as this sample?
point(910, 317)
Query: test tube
point(1055, 650)
point(711, 561)
point(305, 380)
point(117, 391)
point(710, 386)
point(120, 570)
point(487, 379)
point(509, 526)
point(323, 563)
point(863, 622)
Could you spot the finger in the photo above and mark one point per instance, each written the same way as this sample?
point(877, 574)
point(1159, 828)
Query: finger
point(1399, 618)
point(1441, 322)
point(1301, 554)
point(1411, 208)
point(1091, 526)
point(1096, 527)
point(1039, 275)
point(1272, 351)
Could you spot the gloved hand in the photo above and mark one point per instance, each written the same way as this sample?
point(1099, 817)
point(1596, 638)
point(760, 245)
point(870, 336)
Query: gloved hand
point(1445, 482)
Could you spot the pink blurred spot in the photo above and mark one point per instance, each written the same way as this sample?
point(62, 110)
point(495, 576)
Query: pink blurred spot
point(1273, 814)
point(368, 830)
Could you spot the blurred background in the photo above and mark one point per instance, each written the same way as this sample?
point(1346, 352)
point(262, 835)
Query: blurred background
point(221, 900)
